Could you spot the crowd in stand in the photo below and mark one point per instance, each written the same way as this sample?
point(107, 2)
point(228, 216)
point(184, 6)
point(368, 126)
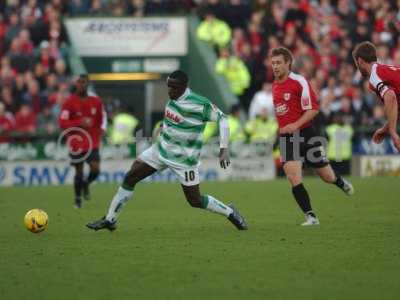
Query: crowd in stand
point(33, 68)
point(34, 74)
point(34, 78)
point(321, 34)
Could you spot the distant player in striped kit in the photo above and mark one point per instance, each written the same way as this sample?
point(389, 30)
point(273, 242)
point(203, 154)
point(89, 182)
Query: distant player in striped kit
point(178, 148)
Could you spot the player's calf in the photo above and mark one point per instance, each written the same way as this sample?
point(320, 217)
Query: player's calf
point(343, 184)
point(93, 174)
point(329, 175)
point(78, 185)
point(192, 195)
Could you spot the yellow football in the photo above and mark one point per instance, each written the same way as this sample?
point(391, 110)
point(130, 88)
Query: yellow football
point(36, 220)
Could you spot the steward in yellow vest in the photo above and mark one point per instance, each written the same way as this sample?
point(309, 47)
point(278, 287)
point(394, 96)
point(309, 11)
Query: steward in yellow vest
point(214, 31)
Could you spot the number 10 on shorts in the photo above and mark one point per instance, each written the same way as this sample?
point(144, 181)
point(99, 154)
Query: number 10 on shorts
point(189, 176)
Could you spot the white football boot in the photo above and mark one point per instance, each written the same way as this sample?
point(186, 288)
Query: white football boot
point(348, 188)
point(310, 221)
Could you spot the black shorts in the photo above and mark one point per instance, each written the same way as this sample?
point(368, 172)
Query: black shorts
point(305, 146)
point(93, 155)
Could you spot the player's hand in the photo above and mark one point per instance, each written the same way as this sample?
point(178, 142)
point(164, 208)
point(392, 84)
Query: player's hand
point(288, 129)
point(379, 135)
point(224, 159)
point(396, 141)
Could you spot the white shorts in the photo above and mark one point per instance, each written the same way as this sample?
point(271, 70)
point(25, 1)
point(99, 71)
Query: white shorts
point(187, 176)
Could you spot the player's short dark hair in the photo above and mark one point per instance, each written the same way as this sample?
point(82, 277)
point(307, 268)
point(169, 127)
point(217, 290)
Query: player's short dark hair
point(366, 51)
point(179, 76)
point(285, 52)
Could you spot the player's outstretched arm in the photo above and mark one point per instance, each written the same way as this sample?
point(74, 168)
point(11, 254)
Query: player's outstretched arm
point(391, 108)
point(390, 102)
point(224, 159)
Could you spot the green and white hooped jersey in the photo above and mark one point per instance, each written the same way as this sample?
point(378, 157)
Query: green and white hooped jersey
point(181, 137)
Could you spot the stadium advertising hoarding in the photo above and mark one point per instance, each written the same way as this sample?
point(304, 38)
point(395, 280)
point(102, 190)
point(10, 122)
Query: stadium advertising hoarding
point(379, 165)
point(54, 151)
point(365, 146)
point(49, 172)
point(141, 37)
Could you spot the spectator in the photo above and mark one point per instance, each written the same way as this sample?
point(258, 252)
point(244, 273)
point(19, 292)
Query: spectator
point(6, 97)
point(61, 70)
point(40, 75)
point(6, 124)
point(3, 29)
point(46, 122)
point(378, 117)
point(45, 57)
point(237, 13)
point(214, 31)
point(58, 99)
point(34, 98)
point(50, 90)
point(78, 7)
point(236, 132)
point(6, 72)
point(234, 71)
point(25, 121)
point(97, 8)
point(137, 8)
point(13, 29)
point(25, 42)
point(216, 8)
point(123, 128)
point(262, 100)
point(18, 88)
point(238, 41)
point(262, 129)
point(19, 61)
point(31, 9)
point(339, 150)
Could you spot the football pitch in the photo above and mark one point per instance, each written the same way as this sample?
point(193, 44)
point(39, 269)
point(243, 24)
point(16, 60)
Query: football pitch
point(164, 249)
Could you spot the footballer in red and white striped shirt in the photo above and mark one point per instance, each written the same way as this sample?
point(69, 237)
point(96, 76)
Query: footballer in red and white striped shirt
point(295, 107)
point(384, 80)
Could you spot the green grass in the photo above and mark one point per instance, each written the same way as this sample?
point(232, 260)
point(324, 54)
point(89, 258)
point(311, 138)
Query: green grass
point(163, 249)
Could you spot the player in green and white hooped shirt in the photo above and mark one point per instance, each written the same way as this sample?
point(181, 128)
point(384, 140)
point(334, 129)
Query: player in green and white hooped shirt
point(178, 148)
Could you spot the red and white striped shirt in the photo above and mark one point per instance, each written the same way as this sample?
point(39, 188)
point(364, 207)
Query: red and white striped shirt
point(384, 78)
